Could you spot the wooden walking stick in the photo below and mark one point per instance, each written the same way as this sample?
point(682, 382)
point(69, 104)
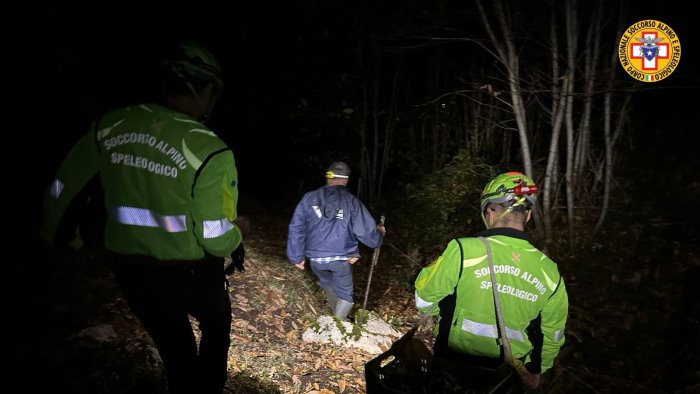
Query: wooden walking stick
point(362, 315)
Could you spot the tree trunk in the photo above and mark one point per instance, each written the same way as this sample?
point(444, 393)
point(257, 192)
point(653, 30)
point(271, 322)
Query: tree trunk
point(591, 55)
point(556, 111)
point(571, 39)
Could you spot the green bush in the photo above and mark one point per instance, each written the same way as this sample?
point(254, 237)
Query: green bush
point(445, 204)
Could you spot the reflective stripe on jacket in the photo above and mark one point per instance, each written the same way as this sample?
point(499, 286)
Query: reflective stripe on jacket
point(532, 294)
point(170, 184)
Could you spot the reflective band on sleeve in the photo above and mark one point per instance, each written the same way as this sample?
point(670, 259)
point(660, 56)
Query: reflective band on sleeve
point(421, 303)
point(216, 228)
point(558, 335)
point(56, 189)
point(489, 330)
point(147, 218)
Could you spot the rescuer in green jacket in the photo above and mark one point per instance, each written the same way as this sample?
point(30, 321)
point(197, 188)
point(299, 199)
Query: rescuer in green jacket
point(170, 193)
point(532, 292)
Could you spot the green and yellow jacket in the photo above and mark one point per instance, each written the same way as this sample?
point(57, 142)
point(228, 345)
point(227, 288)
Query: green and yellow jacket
point(457, 287)
point(170, 184)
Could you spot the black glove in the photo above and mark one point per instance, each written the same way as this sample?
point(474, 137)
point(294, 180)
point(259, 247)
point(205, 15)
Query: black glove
point(237, 260)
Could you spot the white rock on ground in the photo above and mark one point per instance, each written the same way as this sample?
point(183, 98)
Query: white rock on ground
point(367, 337)
point(99, 333)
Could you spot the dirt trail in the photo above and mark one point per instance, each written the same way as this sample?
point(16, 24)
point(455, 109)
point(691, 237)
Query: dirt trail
point(632, 326)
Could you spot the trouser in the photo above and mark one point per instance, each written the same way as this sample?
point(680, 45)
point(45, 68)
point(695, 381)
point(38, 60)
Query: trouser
point(336, 275)
point(163, 297)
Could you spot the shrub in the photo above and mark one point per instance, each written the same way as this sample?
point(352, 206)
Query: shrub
point(445, 203)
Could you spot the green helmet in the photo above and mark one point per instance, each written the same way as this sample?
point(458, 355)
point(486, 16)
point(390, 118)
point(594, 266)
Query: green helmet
point(189, 61)
point(510, 186)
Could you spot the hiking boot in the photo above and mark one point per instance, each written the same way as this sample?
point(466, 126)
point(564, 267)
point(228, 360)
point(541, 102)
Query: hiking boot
point(332, 299)
point(342, 308)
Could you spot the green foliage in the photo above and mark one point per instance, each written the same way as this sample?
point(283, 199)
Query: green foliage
point(356, 333)
point(445, 204)
point(395, 322)
point(315, 327)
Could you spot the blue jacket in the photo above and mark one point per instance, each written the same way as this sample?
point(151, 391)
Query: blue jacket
point(328, 222)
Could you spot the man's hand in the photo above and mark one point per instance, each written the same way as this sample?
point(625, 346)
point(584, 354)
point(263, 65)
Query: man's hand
point(381, 229)
point(300, 265)
point(237, 260)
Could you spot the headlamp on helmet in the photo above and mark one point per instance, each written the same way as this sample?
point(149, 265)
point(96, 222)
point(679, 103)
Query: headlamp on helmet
point(515, 191)
point(510, 186)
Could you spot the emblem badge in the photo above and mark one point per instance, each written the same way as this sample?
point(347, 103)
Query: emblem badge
point(649, 50)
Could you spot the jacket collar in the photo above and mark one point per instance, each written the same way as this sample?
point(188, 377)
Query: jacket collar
point(505, 231)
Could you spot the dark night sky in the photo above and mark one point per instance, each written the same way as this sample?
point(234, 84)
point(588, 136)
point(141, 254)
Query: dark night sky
point(273, 54)
point(87, 58)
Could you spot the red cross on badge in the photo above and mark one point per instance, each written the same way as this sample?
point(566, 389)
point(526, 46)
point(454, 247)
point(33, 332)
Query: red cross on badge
point(649, 50)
